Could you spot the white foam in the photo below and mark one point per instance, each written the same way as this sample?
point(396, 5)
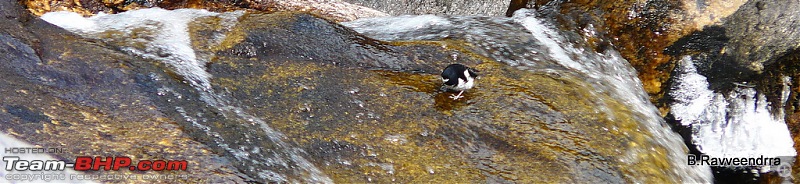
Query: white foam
point(69, 20)
point(693, 96)
point(394, 28)
point(163, 32)
point(396, 24)
point(549, 38)
point(736, 124)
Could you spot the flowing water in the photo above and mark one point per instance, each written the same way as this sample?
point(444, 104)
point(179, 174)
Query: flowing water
point(163, 35)
point(551, 51)
point(736, 124)
point(522, 41)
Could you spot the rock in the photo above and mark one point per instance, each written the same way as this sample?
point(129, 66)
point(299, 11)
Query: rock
point(698, 14)
point(755, 36)
point(761, 32)
point(292, 97)
point(640, 31)
point(754, 47)
point(61, 91)
point(364, 116)
point(448, 7)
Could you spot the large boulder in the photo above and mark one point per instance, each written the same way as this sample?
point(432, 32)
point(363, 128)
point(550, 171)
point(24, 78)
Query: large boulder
point(291, 97)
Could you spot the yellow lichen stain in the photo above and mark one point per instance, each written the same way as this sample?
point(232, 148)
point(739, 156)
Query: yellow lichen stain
point(292, 70)
point(460, 46)
point(250, 21)
point(409, 161)
point(88, 116)
point(22, 91)
point(165, 142)
point(228, 83)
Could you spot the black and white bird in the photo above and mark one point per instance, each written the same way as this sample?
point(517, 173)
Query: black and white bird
point(457, 77)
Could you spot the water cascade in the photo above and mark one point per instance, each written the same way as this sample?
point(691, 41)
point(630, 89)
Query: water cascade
point(734, 124)
point(551, 51)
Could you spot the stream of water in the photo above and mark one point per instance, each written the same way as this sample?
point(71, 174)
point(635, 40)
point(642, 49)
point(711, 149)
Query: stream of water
point(534, 45)
point(549, 52)
point(163, 36)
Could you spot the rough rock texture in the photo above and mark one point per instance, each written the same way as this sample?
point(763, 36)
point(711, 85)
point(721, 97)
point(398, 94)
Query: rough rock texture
point(59, 90)
point(437, 7)
point(758, 34)
point(761, 32)
point(756, 45)
point(358, 109)
point(705, 13)
point(639, 30)
point(393, 125)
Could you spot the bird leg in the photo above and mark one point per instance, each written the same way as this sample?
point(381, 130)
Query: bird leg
point(456, 97)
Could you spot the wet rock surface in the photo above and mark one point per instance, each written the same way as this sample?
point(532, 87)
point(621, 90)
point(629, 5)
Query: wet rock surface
point(736, 45)
point(342, 10)
point(298, 98)
point(403, 128)
point(62, 91)
point(638, 30)
point(359, 116)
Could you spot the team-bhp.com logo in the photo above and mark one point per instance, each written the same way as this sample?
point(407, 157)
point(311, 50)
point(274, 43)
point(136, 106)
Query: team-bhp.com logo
point(14, 163)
